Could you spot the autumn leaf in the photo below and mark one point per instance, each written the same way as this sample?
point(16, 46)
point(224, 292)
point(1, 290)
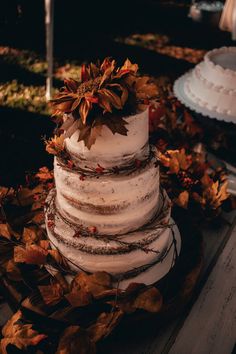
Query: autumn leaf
point(75, 340)
point(26, 196)
point(129, 66)
point(6, 192)
point(182, 199)
point(55, 145)
point(5, 231)
point(78, 298)
point(192, 127)
point(149, 300)
point(116, 125)
point(104, 325)
point(44, 174)
point(38, 217)
point(89, 134)
point(31, 234)
point(31, 254)
point(51, 294)
point(20, 335)
point(13, 272)
point(98, 284)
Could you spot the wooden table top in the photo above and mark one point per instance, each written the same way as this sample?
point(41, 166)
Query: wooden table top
point(208, 324)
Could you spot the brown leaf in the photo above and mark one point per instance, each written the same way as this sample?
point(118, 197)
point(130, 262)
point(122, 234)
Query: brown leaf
point(89, 133)
point(78, 298)
point(5, 231)
point(84, 109)
point(104, 325)
point(39, 217)
point(13, 272)
point(26, 196)
point(97, 284)
point(117, 125)
point(149, 300)
point(31, 234)
point(182, 199)
point(6, 192)
point(21, 336)
point(51, 294)
point(31, 254)
point(75, 340)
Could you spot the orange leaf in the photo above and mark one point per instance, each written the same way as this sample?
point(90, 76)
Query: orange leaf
point(182, 199)
point(32, 254)
point(5, 231)
point(21, 336)
point(84, 109)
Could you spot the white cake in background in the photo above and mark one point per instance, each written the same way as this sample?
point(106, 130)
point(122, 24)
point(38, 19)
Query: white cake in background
point(212, 83)
point(116, 221)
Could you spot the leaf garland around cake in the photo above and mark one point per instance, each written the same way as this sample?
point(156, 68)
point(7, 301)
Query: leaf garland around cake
point(106, 94)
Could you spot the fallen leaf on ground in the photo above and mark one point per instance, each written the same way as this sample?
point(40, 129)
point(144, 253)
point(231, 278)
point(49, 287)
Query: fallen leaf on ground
point(104, 325)
point(20, 335)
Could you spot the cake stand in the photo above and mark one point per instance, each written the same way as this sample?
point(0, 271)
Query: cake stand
point(180, 93)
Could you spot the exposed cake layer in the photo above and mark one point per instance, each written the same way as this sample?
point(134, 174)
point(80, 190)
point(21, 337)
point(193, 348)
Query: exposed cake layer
point(212, 83)
point(134, 257)
point(113, 204)
point(111, 150)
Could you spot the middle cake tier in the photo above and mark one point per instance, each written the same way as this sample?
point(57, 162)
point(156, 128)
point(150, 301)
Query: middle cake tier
point(112, 203)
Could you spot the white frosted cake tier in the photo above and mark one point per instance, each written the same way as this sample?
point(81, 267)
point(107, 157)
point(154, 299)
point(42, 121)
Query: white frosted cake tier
point(212, 83)
point(111, 150)
point(113, 204)
point(142, 256)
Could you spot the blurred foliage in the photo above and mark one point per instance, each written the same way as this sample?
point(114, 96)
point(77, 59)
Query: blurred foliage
point(30, 98)
point(15, 94)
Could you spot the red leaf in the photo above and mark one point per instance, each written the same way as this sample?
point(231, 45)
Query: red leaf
point(70, 164)
point(84, 73)
point(92, 229)
point(92, 99)
point(99, 168)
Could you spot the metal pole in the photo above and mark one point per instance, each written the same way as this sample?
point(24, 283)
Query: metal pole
point(49, 19)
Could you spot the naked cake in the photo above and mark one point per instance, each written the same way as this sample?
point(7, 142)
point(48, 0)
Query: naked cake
point(107, 211)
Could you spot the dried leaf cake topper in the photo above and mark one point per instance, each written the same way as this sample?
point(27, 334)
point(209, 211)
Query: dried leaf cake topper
point(105, 95)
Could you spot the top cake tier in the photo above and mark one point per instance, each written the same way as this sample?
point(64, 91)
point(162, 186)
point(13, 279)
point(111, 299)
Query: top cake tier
point(212, 83)
point(110, 150)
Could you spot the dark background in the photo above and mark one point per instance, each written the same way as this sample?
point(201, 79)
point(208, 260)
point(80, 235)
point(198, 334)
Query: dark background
point(85, 31)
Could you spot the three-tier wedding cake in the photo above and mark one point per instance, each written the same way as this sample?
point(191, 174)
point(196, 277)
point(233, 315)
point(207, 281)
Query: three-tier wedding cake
point(107, 211)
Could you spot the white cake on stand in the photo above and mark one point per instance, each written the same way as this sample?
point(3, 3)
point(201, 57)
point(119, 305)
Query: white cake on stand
point(210, 88)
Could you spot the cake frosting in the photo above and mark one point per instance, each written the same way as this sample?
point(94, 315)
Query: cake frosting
point(118, 219)
point(212, 83)
point(113, 150)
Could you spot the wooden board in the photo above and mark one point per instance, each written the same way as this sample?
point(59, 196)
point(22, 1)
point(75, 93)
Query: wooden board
point(211, 325)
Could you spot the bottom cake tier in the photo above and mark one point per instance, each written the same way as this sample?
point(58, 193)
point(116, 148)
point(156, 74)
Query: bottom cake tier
point(142, 256)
